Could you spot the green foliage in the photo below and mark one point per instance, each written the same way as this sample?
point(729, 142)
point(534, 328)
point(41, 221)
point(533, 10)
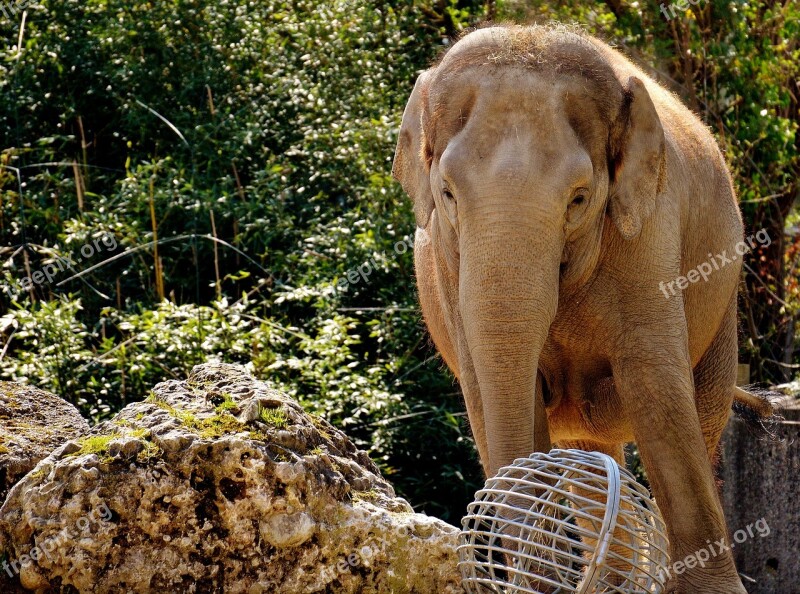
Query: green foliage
point(238, 154)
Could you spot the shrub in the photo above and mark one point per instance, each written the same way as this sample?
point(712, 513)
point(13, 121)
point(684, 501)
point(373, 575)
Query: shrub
point(239, 155)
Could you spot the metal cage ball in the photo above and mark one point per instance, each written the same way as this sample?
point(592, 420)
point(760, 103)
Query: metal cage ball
point(565, 522)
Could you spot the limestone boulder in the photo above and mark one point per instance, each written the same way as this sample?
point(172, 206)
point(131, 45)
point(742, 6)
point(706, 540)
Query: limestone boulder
point(32, 424)
point(219, 484)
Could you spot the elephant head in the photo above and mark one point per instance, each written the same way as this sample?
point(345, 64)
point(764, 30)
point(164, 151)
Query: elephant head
point(523, 152)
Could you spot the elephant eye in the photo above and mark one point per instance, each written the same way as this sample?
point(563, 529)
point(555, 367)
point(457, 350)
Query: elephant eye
point(448, 194)
point(578, 199)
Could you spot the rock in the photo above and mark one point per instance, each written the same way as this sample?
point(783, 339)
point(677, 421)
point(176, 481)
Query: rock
point(760, 498)
point(219, 484)
point(32, 424)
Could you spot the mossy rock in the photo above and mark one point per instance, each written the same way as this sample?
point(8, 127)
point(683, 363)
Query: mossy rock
point(220, 484)
point(32, 424)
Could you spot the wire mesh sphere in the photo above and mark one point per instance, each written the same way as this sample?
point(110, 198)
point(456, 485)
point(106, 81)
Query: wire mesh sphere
point(565, 522)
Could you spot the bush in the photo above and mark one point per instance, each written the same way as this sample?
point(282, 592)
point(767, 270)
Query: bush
point(238, 154)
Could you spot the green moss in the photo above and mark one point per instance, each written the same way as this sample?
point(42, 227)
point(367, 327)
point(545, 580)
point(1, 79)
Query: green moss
point(275, 417)
point(3, 449)
point(189, 419)
point(149, 452)
point(162, 405)
point(38, 473)
point(220, 424)
point(227, 403)
point(320, 426)
point(97, 444)
point(223, 422)
point(371, 495)
point(281, 457)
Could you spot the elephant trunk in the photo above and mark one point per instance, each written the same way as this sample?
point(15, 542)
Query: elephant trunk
point(508, 299)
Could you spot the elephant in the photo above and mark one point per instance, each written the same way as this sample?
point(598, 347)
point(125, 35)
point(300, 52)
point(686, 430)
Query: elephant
point(557, 190)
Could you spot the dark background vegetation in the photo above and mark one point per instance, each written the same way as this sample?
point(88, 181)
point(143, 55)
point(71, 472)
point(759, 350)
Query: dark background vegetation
point(239, 153)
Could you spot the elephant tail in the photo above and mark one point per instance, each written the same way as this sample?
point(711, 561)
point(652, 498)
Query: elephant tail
point(755, 405)
point(757, 408)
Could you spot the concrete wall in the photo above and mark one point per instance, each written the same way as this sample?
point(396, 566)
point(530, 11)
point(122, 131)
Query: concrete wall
point(762, 482)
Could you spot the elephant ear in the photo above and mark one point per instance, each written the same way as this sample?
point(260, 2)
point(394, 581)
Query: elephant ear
point(638, 161)
point(411, 166)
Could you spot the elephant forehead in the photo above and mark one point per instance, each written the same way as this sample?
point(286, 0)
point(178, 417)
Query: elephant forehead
point(515, 144)
point(518, 64)
point(503, 102)
point(513, 124)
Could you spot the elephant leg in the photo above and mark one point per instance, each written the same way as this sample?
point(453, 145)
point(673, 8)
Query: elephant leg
point(715, 382)
point(654, 378)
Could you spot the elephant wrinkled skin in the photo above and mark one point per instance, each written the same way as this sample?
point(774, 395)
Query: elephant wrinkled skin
point(555, 186)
